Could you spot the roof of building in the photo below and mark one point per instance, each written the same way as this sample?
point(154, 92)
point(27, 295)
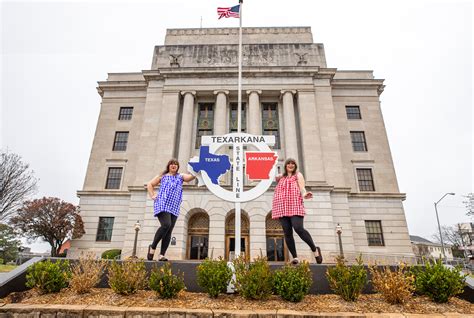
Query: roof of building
point(419, 239)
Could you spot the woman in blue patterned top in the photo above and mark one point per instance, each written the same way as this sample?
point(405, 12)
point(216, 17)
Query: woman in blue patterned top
point(166, 204)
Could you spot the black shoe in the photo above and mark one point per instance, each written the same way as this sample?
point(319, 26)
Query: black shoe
point(319, 258)
point(149, 256)
point(163, 259)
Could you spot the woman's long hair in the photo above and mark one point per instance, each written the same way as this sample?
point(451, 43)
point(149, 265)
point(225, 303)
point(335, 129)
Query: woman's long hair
point(172, 161)
point(289, 160)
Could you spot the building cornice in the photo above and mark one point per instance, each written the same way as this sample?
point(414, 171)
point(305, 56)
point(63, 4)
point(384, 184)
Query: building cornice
point(379, 195)
point(121, 86)
point(102, 193)
point(376, 84)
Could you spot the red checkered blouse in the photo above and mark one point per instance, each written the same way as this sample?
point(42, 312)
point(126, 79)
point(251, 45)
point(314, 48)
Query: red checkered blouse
point(287, 199)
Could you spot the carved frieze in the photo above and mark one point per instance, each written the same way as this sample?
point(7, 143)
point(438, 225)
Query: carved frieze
point(227, 55)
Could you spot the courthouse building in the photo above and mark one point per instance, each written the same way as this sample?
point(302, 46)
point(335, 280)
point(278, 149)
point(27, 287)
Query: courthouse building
point(329, 120)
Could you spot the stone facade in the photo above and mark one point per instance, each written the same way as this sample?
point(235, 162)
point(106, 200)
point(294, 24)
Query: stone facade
point(288, 91)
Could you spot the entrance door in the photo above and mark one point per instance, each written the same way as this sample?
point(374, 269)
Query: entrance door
point(276, 251)
point(230, 247)
point(199, 247)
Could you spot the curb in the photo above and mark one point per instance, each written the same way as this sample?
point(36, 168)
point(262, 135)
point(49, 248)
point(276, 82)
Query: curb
point(94, 311)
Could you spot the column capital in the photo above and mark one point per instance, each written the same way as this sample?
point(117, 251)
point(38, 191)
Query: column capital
point(284, 91)
point(221, 91)
point(250, 91)
point(188, 92)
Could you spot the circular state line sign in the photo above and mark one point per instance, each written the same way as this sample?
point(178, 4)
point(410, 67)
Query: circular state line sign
point(259, 165)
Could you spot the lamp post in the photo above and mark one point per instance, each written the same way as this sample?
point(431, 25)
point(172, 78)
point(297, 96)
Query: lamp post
point(137, 228)
point(439, 226)
point(339, 232)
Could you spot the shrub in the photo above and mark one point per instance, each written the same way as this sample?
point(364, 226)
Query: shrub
point(48, 277)
point(127, 277)
point(111, 254)
point(438, 282)
point(1, 261)
point(253, 281)
point(346, 281)
point(292, 283)
point(213, 276)
point(165, 283)
point(396, 286)
point(86, 273)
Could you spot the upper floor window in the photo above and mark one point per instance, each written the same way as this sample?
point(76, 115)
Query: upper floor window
point(114, 177)
point(233, 118)
point(374, 233)
point(120, 141)
point(270, 123)
point(353, 112)
point(104, 230)
point(125, 113)
point(205, 122)
point(365, 179)
point(358, 141)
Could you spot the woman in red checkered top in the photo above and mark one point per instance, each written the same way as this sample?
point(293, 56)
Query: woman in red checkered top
point(288, 207)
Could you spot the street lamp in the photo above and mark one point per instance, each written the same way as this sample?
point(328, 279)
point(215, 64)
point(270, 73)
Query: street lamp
point(339, 232)
point(439, 226)
point(137, 228)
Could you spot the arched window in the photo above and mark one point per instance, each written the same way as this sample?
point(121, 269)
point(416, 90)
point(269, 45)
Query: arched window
point(230, 235)
point(276, 246)
point(198, 236)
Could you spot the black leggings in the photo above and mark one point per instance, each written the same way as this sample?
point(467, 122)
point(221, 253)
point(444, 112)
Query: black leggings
point(295, 222)
point(167, 221)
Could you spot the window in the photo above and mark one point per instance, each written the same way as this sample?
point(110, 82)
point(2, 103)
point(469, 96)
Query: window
point(120, 141)
point(104, 230)
point(270, 122)
point(366, 181)
point(353, 112)
point(205, 122)
point(233, 118)
point(374, 233)
point(358, 141)
point(114, 177)
point(125, 113)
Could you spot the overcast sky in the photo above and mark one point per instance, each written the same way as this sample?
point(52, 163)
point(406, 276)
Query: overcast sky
point(53, 54)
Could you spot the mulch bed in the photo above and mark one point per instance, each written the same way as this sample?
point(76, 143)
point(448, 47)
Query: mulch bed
point(314, 303)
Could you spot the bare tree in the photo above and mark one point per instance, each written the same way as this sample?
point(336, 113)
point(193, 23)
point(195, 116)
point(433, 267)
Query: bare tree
point(50, 219)
point(469, 204)
point(17, 183)
point(452, 236)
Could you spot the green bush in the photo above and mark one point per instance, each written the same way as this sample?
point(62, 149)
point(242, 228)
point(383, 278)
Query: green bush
point(111, 254)
point(1, 261)
point(127, 277)
point(292, 283)
point(165, 283)
point(253, 281)
point(48, 277)
point(213, 276)
point(438, 282)
point(347, 281)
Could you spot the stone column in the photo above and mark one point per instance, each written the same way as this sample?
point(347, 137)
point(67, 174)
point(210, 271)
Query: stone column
point(220, 112)
point(310, 137)
point(254, 113)
point(291, 145)
point(185, 139)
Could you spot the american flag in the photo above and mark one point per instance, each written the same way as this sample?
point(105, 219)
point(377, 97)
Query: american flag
point(230, 12)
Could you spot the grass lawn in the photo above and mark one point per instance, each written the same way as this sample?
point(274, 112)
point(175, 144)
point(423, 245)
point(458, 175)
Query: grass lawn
point(6, 268)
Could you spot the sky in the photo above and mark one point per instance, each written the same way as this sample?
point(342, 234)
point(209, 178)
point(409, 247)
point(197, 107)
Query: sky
point(53, 53)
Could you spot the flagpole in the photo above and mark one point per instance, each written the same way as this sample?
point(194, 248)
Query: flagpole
point(239, 116)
